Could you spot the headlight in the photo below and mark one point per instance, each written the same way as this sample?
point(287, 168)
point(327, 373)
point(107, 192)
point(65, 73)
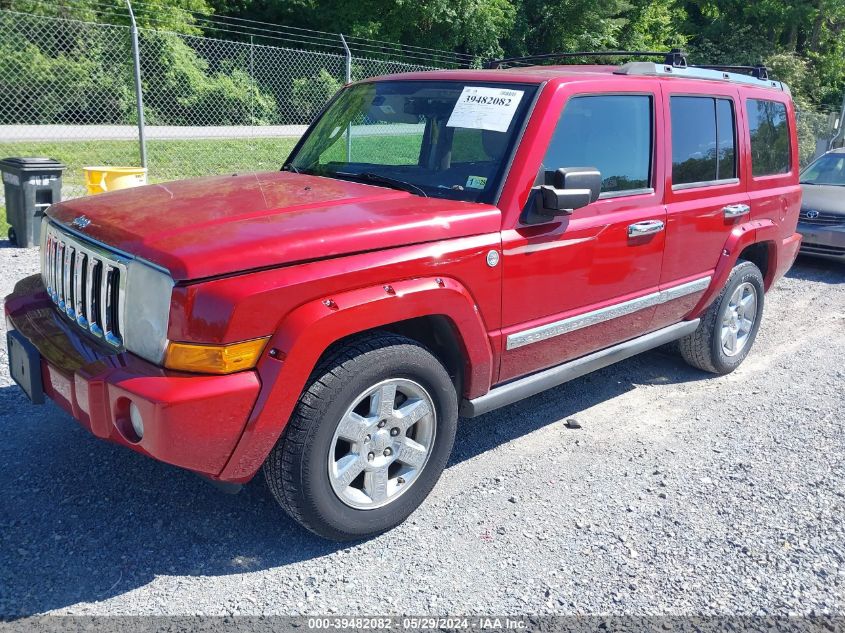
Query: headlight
point(147, 311)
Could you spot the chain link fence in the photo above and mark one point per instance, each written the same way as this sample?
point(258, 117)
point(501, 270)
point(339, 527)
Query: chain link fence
point(817, 130)
point(211, 105)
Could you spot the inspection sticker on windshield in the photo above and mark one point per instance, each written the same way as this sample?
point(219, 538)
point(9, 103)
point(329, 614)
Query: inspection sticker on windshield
point(485, 108)
point(476, 182)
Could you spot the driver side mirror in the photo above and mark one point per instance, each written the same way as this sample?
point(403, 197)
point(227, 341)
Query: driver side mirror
point(567, 189)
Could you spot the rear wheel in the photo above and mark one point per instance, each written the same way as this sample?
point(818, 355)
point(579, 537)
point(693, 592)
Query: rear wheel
point(368, 439)
point(729, 326)
point(13, 236)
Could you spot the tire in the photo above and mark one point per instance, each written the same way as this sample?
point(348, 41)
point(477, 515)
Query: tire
point(13, 236)
point(705, 348)
point(303, 471)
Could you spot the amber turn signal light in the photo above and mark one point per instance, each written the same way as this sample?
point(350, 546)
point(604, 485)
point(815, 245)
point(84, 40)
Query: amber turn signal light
point(214, 359)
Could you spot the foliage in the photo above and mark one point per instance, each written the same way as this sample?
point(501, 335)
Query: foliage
point(85, 77)
point(166, 15)
point(472, 26)
point(93, 92)
point(714, 31)
point(811, 31)
point(181, 89)
point(310, 94)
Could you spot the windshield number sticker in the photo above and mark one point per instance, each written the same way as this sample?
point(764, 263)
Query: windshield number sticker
point(481, 108)
point(476, 182)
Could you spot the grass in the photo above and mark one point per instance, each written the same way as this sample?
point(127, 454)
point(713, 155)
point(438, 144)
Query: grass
point(172, 160)
point(168, 160)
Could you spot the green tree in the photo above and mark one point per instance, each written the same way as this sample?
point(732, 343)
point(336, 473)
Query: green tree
point(470, 26)
point(168, 15)
point(728, 31)
point(310, 94)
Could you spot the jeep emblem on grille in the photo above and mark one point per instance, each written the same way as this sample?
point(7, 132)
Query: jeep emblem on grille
point(81, 222)
point(812, 214)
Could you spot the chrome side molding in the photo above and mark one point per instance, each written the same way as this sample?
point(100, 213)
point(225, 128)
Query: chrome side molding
point(516, 390)
point(564, 326)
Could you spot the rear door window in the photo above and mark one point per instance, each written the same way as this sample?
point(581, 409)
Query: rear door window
point(769, 129)
point(703, 140)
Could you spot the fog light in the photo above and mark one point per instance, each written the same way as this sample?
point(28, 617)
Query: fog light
point(137, 420)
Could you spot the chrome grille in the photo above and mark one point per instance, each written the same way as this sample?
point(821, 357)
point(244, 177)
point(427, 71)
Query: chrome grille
point(86, 282)
point(826, 219)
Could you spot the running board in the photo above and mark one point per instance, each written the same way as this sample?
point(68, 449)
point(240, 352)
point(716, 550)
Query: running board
point(516, 390)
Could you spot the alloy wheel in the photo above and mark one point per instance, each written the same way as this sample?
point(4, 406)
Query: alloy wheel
point(382, 443)
point(738, 319)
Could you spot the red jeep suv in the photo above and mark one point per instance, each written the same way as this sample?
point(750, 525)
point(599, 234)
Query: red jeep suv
point(437, 244)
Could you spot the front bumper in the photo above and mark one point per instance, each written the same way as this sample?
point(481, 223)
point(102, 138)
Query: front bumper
point(190, 420)
point(823, 241)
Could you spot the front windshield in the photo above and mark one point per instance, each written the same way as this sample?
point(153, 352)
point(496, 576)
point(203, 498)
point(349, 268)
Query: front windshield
point(446, 139)
point(827, 170)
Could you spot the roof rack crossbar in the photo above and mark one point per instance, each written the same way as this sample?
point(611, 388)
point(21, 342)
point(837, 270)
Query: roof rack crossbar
point(759, 71)
point(676, 57)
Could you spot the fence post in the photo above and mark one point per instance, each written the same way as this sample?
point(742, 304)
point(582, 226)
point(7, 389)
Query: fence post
point(348, 81)
point(840, 132)
point(139, 94)
point(348, 59)
point(254, 82)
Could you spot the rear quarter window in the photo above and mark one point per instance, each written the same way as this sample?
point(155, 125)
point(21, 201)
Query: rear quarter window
point(770, 143)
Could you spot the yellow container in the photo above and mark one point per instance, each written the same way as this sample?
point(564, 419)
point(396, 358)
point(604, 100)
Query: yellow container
point(100, 179)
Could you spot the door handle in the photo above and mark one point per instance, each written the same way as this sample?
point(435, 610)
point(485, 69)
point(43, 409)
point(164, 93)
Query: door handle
point(649, 227)
point(736, 210)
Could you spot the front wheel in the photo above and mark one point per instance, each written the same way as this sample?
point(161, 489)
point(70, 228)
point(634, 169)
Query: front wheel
point(368, 439)
point(729, 326)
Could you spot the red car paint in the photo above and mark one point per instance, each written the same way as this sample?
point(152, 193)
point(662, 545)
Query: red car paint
point(309, 260)
point(266, 219)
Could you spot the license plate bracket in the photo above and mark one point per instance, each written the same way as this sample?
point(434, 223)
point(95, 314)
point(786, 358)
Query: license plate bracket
point(25, 366)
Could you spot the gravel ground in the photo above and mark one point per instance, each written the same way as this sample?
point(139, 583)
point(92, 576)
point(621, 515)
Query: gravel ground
point(682, 494)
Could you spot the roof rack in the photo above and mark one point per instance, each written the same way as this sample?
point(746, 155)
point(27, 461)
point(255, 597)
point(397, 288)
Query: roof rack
point(676, 57)
point(749, 75)
point(759, 71)
point(674, 64)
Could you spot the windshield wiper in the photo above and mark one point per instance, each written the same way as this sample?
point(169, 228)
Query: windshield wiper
point(821, 184)
point(395, 183)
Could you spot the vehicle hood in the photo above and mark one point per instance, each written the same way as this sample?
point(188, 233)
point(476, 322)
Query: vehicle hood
point(225, 224)
point(824, 198)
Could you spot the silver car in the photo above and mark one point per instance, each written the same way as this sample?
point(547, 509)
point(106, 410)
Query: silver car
point(822, 217)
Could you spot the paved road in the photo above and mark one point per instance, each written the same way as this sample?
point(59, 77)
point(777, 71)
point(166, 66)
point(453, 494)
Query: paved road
point(681, 494)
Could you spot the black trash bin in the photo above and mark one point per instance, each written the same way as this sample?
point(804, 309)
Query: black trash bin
point(31, 185)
